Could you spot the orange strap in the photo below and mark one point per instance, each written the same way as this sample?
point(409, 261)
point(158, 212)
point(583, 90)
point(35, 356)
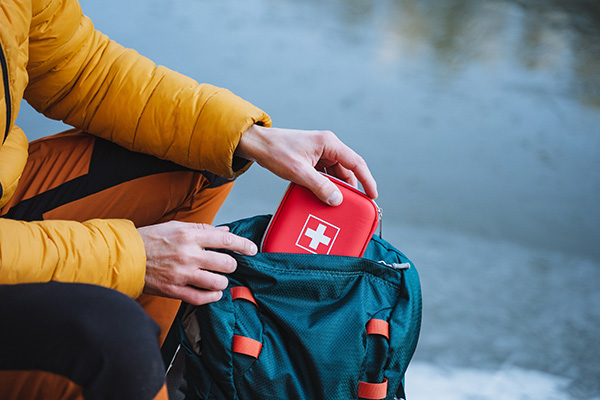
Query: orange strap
point(242, 292)
point(378, 327)
point(247, 346)
point(373, 391)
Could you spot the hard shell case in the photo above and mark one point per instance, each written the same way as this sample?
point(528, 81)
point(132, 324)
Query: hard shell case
point(304, 224)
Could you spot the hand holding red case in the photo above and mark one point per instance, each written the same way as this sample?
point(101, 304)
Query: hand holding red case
point(304, 224)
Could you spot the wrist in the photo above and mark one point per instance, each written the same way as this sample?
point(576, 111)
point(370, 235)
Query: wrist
point(249, 142)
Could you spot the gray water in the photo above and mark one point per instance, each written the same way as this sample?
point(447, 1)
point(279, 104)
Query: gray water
point(480, 121)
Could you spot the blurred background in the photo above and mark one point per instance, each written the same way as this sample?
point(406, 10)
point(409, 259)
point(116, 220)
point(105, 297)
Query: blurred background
point(480, 120)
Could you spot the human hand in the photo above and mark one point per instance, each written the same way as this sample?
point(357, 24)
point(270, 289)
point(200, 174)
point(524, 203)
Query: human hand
point(297, 155)
point(179, 266)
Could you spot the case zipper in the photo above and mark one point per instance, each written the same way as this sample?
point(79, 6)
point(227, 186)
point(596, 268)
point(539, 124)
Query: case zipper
point(6, 82)
point(379, 209)
point(380, 217)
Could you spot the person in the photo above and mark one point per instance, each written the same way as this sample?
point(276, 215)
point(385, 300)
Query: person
point(119, 208)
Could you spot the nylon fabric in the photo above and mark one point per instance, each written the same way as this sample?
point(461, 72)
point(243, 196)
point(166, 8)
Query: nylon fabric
point(37, 385)
point(64, 68)
point(311, 319)
point(147, 191)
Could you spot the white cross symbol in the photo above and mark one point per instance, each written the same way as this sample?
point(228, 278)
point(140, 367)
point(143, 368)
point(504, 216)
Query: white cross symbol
point(317, 236)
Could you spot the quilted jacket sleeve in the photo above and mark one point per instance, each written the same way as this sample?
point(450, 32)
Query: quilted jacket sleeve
point(81, 77)
point(78, 75)
point(109, 253)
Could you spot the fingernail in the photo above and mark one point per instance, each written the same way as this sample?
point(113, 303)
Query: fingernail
point(253, 249)
point(335, 199)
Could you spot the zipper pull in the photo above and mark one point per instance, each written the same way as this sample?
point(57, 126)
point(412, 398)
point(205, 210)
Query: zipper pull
point(380, 218)
point(401, 266)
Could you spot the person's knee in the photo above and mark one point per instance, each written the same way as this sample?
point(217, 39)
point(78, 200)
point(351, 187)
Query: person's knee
point(116, 339)
point(98, 338)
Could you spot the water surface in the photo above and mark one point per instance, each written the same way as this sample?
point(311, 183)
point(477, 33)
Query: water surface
point(481, 122)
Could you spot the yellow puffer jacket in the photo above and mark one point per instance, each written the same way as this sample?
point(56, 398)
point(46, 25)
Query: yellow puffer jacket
point(51, 55)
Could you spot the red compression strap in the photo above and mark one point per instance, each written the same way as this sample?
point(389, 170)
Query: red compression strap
point(378, 327)
point(247, 346)
point(373, 391)
point(242, 292)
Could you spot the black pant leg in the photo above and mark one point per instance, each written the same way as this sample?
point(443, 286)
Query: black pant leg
point(98, 338)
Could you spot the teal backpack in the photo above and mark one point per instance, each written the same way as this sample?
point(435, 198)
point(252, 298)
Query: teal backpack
point(300, 327)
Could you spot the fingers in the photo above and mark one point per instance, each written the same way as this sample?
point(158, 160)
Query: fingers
point(328, 192)
point(196, 296)
point(212, 261)
point(220, 238)
point(201, 287)
point(343, 174)
point(200, 282)
point(350, 163)
point(322, 187)
point(296, 155)
point(207, 280)
point(179, 265)
point(341, 162)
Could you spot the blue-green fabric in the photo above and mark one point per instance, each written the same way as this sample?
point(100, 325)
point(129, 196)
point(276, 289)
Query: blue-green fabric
point(311, 318)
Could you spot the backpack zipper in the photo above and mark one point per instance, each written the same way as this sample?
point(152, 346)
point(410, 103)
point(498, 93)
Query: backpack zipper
point(4, 66)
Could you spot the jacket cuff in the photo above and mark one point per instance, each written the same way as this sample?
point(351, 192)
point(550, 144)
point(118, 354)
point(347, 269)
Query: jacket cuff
point(127, 256)
point(224, 119)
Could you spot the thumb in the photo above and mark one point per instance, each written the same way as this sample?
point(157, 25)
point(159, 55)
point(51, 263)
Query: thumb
point(323, 188)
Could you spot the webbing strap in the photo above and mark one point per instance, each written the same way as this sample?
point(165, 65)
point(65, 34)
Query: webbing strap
point(242, 292)
point(373, 391)
point(378, 327)
point(247, 346)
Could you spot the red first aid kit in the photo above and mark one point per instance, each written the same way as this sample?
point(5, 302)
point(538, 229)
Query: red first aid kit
point(304, 224)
